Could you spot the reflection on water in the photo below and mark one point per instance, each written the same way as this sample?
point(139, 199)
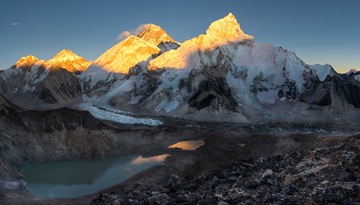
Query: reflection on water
point(188, 145)
point(74, 178)
point(157, 159)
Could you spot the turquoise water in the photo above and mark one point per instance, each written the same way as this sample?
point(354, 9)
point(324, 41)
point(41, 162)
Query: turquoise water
point(75, 178)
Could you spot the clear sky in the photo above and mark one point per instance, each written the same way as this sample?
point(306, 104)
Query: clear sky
point(318, 31)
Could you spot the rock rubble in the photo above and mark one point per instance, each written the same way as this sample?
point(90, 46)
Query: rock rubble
point(327, 174)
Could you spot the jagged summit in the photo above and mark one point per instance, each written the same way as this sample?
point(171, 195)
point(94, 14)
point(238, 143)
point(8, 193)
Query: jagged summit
point(68, 60)
point(224, 31)
point(65, 59)
point(221, 75)
point(64, 54)
point(125, 55)
point(27, 61)
point(155, 35)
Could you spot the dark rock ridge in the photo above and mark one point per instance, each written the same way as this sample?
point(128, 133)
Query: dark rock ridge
point(215, 94)
point(53, 91)
point(341, 88)
point(166, 46)
point(39, 88)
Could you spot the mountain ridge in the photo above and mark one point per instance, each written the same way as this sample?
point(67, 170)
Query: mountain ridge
point(221, 32)
point(27, 61)
point(221, 75)
point(65, 59)
point(154, 34)
point(125, 55)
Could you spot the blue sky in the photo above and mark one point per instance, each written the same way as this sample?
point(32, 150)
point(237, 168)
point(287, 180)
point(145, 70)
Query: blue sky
point(318, 31)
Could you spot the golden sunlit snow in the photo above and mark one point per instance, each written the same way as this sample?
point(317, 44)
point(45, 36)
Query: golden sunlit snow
point(126, 54)
point(221, 32)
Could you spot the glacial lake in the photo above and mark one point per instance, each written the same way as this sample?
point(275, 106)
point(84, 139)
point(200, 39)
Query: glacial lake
point(75, 178)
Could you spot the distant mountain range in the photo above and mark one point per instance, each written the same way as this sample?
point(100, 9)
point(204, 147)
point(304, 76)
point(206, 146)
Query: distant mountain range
point(222, 75)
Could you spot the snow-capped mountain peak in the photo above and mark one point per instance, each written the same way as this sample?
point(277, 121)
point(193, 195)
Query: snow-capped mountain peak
point(125, 55)
point(351, 71)
point(355, 73)
point(221, 75)
point(68, 60)
point(155, 35)
point(27, 61)
point(224, 31)
point(64, 55)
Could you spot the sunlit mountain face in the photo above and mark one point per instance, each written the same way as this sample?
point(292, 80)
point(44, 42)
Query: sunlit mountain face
point(27, 61)
point(155, 35)
point(222, 32)
point(133, 50)
point(65, 59)
point(69, 61)
point(223, 72)
point(149, 94)
point(125, 55)
point(39, 84)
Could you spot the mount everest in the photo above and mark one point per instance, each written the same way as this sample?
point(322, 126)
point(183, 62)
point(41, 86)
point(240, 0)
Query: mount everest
point(222, 75)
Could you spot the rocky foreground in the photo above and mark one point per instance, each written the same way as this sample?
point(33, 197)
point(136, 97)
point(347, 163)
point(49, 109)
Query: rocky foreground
point(262, 163)
point(325, 174)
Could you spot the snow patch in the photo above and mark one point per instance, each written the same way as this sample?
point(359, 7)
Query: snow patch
point(321, 70)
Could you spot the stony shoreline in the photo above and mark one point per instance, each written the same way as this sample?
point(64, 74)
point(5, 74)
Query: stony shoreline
point(327, 174)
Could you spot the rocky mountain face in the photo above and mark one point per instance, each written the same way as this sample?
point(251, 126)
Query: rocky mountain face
point(336, 91)
point(355, 74)
point(224, 72)
point(222, 75)
point(126, 57)
point(37, 84)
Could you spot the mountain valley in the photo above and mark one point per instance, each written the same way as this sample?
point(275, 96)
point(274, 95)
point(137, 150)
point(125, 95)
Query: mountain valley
point(245, 99)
